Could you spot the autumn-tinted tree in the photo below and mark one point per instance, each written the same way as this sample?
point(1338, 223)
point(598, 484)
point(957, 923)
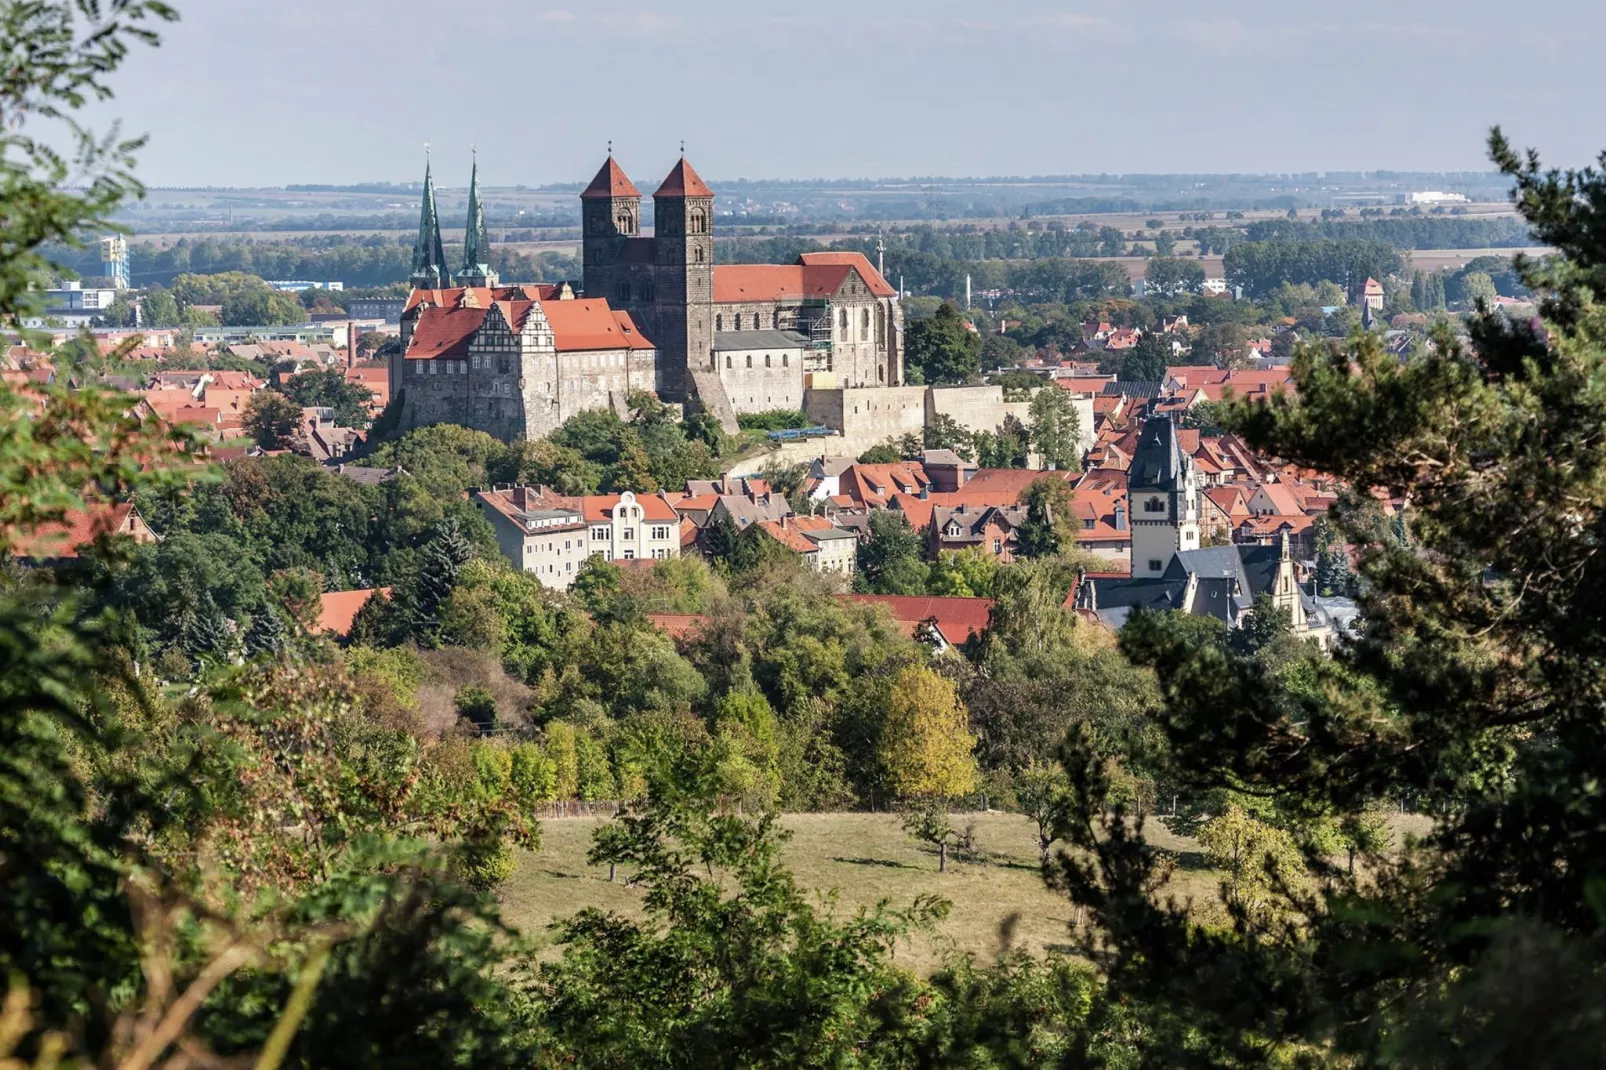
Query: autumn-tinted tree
point(925, 742)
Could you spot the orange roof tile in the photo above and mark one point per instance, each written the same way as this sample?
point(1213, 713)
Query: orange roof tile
point(600, 507)
point(678, 625)
point(337, 610)
point(956, 618)
point(858, 262)
point(611, 181)
point(75, 532)
point(683, 181)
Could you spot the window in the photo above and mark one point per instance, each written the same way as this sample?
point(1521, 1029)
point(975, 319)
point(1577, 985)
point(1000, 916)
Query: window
point(766, 360)
point(624, 223)
point(775, 321)
point(697, 223)
point(630, 555)
point(600, 534)
point(749, 360)
point(864, 326)
point(719, 323)
point(504, 365)
point(842, 321)
point(630, 533)
point(998, 546)
point(1154, 564)
point(434, 366)
point(786, 360)
point(660, 532)
point(1087, 525)
point(1154, 505)
point(699, 257)
point(727, 362)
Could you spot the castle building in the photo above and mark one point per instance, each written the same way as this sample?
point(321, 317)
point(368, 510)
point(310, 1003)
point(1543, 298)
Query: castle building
point(652, 314)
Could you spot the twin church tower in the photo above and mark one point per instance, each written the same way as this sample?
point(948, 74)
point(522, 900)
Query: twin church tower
point(666, 282)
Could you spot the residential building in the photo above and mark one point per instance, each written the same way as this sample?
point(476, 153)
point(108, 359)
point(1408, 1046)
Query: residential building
point(543, 534)
point(624, 527)
point(823, 546)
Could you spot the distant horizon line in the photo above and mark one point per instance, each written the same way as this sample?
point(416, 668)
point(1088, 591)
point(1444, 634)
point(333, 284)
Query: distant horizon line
point(1375, 175)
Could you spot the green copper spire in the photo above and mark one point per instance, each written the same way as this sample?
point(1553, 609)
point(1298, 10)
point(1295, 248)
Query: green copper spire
point(476, 242)
point(429, 259)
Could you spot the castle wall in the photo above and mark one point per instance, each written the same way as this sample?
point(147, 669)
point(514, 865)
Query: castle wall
point(983, 408)
point(867, 416)
point(760, 380)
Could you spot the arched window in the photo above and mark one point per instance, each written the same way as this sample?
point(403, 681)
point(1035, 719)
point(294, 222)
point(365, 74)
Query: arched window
point(625, 223)
point(842, 322)
point(766, 360)
point(880, 325)
point(786, 360)
point(864, 326)
point(622, 291)
point(697, 223)
point(727, 363)
point(749, 360)
point(775, 321)
point(699, 254)
point(719, 323)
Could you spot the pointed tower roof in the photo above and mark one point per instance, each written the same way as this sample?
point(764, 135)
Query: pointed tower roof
point(429, 259)
point(1157, 462)
point(476, 242)
point(611, 181)
point(683, 181)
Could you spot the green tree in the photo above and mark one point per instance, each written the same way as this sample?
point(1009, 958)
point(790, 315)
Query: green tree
point(266, 636)
point(1056, 429)
point(1148, 360)
point(445, 555)
point(272, 420)
point(1171, 277)
point(890, 560)
point(1049, 528)
point(941, 349)
point(261, 306)
point(1476, 286)
point(943, 432)
point(330, 389)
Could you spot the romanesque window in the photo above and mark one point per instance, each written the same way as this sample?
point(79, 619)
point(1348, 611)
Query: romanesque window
point(727, 363)
point(786, 360)
point(880, 326)
point(864, 326)
point(719, 323)
point(749, 360)
point(842, 322)
point(698, 223)
point(623, 292)
point(766, 360)
point(625, 225)
point(775, 321)
point(699, 254)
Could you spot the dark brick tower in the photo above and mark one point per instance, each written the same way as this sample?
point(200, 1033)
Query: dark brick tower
point(610, 216)
point(683, 257)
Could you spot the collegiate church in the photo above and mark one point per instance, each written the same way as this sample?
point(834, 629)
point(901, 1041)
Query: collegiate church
point(651, 313)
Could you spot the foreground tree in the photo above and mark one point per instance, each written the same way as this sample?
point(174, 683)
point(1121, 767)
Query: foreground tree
point(1473, 690)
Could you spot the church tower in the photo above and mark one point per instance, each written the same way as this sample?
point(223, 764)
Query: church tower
point(683, 256)
point(429, 259)
point(477, 269)
point(610, 214)
point(1163, 492)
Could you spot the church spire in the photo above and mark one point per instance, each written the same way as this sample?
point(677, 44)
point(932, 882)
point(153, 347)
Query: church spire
point(429, 259)
point(476, 242)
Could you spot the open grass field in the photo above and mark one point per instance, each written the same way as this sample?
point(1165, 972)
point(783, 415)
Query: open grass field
point(864, 858)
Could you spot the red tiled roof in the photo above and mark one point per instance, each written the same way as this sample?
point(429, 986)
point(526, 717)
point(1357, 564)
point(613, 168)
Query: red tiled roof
point(589, 323)
point(858, 262)
point(611, 181)
point(600, 507)
point(74, 532)
point(1006, 485)
point(956, 618)
point(683, 181)
point(337, 610)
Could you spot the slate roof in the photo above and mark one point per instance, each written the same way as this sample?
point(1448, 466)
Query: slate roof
point(1157, 461)
point(725, 341)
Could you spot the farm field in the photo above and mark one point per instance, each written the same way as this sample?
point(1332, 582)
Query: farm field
point(866, 858)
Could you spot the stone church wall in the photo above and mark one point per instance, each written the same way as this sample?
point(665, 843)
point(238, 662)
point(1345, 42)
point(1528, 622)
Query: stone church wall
point(867, 416)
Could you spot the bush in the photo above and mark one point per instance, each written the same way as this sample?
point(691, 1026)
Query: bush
point(484, 862)
point(477, 706)
point(773, 420)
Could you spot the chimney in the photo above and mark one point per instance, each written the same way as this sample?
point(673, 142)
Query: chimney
point(1120, 516)
point(521, 498)
point(925, 492)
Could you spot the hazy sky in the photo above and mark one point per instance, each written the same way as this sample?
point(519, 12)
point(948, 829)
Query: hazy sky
point(264, 92)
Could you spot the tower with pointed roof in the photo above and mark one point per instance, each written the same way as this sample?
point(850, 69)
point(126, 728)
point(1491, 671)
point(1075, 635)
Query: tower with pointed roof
point(683, 256)
point(610, 217)
point(429, 259)
point(477, 270)
point(1163, 492)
